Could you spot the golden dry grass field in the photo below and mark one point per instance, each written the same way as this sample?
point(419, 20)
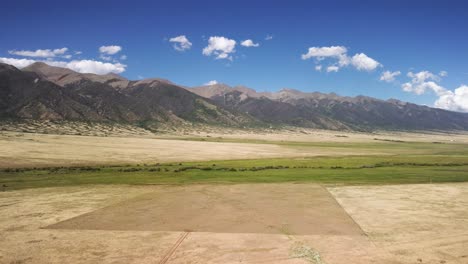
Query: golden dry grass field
point(34, 149)
point(231, 224)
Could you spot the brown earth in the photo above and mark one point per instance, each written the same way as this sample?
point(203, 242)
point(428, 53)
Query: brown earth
point(290, 209)
point(413, 223)
point(402, 224)
point(26, 215)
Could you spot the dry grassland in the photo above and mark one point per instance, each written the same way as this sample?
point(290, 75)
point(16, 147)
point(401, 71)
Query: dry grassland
point(402, 224)
point(31, 150)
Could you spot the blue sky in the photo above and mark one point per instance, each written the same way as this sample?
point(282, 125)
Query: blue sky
point(422, 37)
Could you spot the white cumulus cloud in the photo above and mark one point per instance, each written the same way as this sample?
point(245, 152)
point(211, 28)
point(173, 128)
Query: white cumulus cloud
point(333, 68)
point(318, 67)
point(221, 47)
point(249, 43)
point(42, 53)
point(83, 66)
point(388, 76)
point(339, 54)
point(18, 63)
point(362, 62)
point(421, 88)
point(181, 43)
point(323, 52)
point(213, 82)
point(110, 50)
point(423, 81)
point(423, 76)
point(97, 67)
point(455, 101)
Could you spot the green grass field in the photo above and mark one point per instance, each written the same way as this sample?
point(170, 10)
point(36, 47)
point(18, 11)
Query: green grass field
point(444, 163)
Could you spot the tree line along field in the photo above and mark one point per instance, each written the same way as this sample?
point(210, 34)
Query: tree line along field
point(343, 170)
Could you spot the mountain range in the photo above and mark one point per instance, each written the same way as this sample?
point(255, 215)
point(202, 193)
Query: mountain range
point(44, 92)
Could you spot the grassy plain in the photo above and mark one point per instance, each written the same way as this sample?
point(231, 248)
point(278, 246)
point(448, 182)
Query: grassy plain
point(29, 160)
point(344, 170)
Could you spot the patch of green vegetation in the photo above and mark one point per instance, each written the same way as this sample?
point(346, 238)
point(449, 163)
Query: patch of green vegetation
point(346, 170)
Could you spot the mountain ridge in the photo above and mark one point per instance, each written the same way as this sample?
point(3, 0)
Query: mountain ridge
point(151, 101)
point(42, 92)
point(359, 112)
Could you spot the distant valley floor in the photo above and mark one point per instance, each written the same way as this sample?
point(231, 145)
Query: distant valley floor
point(39, 144)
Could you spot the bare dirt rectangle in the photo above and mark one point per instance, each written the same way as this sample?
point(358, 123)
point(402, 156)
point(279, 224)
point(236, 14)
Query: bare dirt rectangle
point(291, 209)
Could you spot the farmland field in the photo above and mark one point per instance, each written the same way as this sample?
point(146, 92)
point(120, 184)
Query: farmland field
point(218, 199)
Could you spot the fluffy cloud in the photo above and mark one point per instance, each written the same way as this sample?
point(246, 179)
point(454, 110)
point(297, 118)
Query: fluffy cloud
point(388, 76)
point(221, 47)
point(323, 52)
point(421, 88)
point(455, 101)
point(83, 66)
point(213, 82)
point(424, 81)
point(359, 61)
point(18, 63)
point(249, 43)
point(181, 43)
point(42, 53)
point(422, 76)
point(362, 62)
point(333, 68)
point(110, 50)
point(318, 67)
point(97, 67)
point(421, 82)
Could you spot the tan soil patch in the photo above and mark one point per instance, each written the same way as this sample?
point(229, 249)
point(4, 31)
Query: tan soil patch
point(290, 209)
point(404, 223)
point(24, 212)
point(427, 222)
